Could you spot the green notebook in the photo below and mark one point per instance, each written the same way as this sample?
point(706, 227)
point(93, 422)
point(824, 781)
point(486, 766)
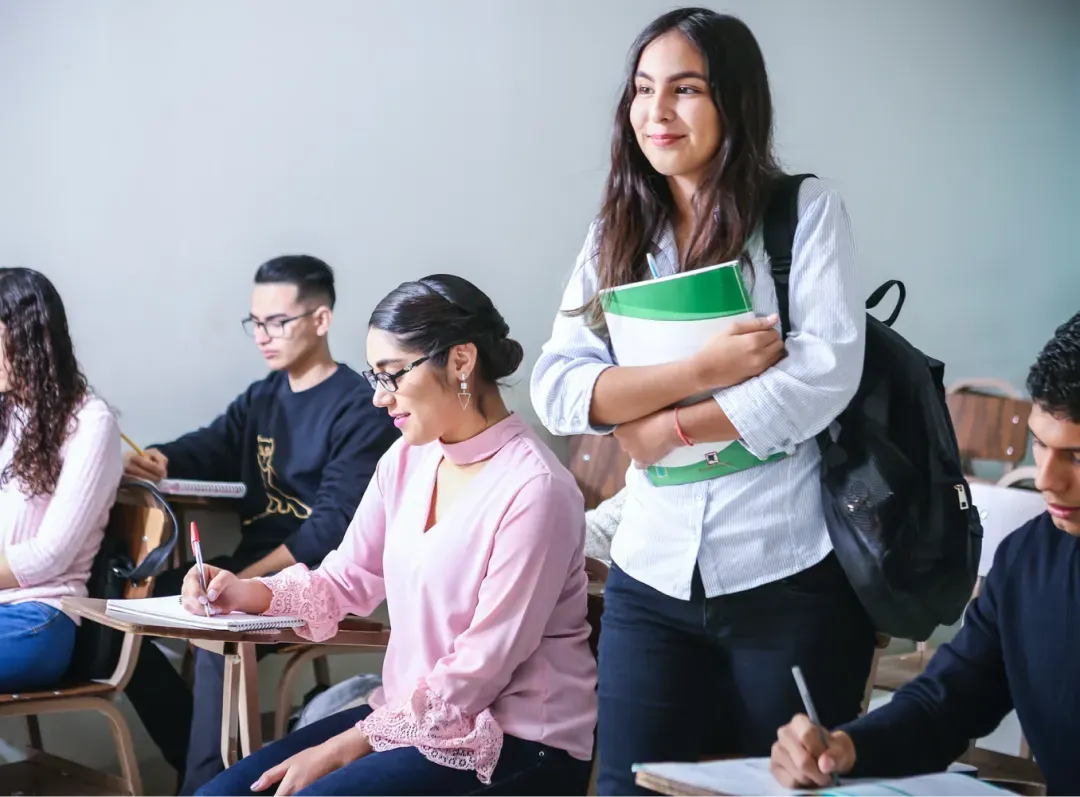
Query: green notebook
point(670, 318)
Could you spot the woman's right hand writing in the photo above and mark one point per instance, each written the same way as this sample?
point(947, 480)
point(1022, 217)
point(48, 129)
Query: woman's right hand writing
point(224, 593)
point(800, 760)
point(744, 350)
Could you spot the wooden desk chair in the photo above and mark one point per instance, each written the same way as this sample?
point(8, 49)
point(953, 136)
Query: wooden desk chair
point(139, 520)
point(299, 657)
point(990, 418)
point(599, 466)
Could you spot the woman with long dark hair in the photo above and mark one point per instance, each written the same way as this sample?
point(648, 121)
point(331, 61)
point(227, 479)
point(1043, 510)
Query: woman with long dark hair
point(473, 533)
point(59, 469)
point(718, 587)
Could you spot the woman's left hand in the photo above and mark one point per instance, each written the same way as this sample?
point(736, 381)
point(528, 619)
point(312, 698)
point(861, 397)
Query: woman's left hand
point(301, 770)
point(648, 440)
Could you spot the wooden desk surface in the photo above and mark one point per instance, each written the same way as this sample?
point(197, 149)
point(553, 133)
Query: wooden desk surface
point(352, 631)
point(668, 786)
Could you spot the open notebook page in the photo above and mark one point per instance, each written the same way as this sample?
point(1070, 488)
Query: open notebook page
point(751, 777)
point(168, 611)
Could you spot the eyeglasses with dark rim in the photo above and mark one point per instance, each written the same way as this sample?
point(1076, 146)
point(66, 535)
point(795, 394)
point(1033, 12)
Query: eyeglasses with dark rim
point(273, 329)
point(388, 381)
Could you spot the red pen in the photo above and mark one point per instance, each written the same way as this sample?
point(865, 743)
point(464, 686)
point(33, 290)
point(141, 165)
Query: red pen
point(197, 550)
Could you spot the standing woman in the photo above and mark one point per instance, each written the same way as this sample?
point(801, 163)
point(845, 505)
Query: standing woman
point(719, 587)
point(59, 469)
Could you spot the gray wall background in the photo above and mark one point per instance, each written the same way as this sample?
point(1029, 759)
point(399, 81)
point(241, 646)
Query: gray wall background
point(152, 154)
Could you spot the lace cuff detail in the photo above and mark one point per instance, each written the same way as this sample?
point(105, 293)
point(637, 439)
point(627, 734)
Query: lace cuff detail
point(299, 592)
point(442, 732)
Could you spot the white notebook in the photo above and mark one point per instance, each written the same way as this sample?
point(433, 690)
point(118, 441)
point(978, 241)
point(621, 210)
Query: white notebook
point(168, 611)
point(751, 776)
point(202, 489)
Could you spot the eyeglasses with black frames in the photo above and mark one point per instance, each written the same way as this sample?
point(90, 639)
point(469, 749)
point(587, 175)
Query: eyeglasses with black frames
point(274, 328)
point(388, 381)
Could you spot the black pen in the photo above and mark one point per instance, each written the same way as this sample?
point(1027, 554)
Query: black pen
point(811, 712)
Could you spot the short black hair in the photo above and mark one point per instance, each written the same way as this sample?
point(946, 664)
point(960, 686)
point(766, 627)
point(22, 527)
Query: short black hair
point(1054, 380)
point(313, 278)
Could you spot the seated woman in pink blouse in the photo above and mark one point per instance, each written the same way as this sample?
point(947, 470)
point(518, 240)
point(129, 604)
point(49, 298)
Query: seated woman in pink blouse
point(59, 470)
point(473, 532)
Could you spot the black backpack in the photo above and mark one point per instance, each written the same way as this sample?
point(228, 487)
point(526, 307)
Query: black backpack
point(897, 505)
point(97, 647)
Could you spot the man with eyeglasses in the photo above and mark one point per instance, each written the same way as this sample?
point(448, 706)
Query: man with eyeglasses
point(305, 441)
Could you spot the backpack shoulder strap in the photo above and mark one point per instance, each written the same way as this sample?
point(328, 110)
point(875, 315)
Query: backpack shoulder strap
point(780, 222)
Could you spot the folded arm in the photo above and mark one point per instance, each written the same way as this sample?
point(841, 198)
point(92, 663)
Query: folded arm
point(804, 392)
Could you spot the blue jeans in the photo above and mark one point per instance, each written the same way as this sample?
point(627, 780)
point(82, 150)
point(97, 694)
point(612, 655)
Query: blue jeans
point(524, 768)
point(36, 642)
point(681, 679)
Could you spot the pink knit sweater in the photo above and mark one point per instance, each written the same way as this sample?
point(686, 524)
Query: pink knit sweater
point(50, 541)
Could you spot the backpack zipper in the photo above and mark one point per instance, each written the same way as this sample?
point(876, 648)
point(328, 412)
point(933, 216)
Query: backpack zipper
point(961, 495)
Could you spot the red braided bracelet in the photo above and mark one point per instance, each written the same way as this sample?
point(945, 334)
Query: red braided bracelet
point(679, 430)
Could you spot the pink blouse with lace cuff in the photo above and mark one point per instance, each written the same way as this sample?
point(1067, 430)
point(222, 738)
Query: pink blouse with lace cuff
point(442, 732)
point(299, 592)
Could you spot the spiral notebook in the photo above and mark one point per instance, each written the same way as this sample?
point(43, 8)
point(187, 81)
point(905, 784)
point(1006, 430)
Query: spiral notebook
point(193, 487)
point(168, 611)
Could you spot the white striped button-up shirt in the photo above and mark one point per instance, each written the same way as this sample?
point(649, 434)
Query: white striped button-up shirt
point(764, 523)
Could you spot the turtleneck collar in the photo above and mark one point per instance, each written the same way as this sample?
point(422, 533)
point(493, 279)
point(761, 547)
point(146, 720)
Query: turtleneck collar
point(486, 444)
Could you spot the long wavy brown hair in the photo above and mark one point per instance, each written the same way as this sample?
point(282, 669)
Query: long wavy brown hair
point(732, 197)
point(45, 384)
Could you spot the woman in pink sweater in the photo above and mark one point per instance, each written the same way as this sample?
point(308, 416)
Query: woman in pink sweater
point(473, 533)
point(59, 470)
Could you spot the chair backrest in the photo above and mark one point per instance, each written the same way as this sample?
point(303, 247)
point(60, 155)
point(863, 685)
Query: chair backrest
point(1002, 510)
point(1022, 478)
point(599, 465)
point(990, 418)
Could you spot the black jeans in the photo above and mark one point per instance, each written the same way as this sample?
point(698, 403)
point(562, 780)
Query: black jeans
point(524, 768)
point(680, 679)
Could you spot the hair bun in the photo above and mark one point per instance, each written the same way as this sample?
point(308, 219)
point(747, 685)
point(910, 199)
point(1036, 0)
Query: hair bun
point(506, 358)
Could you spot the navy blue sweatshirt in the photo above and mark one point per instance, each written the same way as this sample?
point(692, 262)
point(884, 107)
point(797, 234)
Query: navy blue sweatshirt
point(1019, 647)
point(305, 457)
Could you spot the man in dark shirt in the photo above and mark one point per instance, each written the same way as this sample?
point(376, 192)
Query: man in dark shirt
point(305, 441)
point(1019, 644)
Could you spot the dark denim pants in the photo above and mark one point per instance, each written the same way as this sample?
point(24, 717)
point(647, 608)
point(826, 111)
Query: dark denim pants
point(524, 768)
point(681, 679)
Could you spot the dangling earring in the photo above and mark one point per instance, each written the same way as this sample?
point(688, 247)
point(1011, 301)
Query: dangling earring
point(464, 395)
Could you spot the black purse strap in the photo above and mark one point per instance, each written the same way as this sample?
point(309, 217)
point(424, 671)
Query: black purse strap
point(155, 561)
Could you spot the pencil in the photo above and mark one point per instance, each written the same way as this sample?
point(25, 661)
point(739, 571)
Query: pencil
point(138, 450)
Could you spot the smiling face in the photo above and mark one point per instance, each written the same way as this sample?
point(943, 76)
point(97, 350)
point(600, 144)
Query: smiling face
point(425, 406)
point(673, 115)
point(1056, 448)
